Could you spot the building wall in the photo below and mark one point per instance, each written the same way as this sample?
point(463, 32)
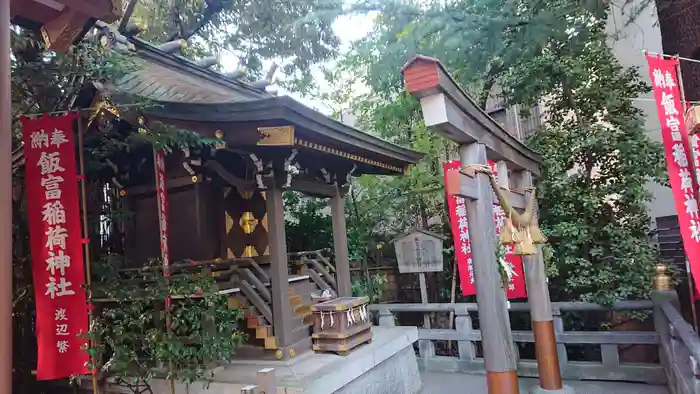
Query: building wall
point(628, 43)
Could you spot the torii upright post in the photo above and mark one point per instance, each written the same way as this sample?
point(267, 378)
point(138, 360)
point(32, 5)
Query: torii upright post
point(449, 111)
point(496, 336)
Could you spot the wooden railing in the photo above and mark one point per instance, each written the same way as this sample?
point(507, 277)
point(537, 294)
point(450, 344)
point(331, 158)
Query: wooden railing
point(679, 345)
point(317, 266)
point(608, 369)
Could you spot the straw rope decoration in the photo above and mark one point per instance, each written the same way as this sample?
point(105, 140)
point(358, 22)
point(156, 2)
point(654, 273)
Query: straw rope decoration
point(521, 230)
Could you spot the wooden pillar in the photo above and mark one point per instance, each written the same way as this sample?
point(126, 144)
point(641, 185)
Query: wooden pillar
point(340, 245)
point(497, 339)
point(504, 182)
point(6, 203)
point(541, 311)
point(279, 272)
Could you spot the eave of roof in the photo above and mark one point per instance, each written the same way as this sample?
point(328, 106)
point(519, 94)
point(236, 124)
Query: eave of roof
point(288, 109)
point(208, 102)
point(181, 64)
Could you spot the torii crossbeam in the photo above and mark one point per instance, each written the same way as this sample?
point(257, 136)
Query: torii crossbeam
point(450, 112)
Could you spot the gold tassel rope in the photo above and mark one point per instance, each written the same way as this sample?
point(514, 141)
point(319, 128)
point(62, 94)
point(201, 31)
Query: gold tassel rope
point(509, 234)
point(526, 247)
point(530, 233)
point(537, 237)
point(534, 227)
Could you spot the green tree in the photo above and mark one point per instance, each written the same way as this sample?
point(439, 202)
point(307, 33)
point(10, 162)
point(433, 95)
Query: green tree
point(42, 82)
point(252, 30)
point(45, 82)
point(307, 223)
point(597, 161)
point(528, 52)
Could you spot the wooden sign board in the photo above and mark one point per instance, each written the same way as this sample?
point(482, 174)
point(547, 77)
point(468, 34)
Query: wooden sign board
point(419, 251)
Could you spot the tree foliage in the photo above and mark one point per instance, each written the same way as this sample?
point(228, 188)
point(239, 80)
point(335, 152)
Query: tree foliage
point(251, 30)
point(45, 82)
point(130, 338)
point(597, 162)
point(525, 52)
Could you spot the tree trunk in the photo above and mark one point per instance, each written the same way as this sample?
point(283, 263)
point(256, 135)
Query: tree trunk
point(679, 21)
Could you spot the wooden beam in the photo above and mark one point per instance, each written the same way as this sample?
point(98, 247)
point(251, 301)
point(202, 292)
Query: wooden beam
point(469, 189)
point(128, 11)
point(453, 113)
point(99, 9)
point(173, 183)
point(238, 183)
point(458, 124)
point(314, 188)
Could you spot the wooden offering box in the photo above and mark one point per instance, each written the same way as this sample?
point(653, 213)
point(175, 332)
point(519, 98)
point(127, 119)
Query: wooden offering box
point(341, 325)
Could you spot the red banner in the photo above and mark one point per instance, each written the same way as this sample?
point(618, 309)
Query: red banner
point(676, 143)
point(56, 246)
point(460, 232)
point(516, 278)
point(162, 198)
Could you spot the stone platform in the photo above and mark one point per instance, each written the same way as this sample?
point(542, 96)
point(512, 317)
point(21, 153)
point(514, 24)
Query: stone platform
point(387, 365)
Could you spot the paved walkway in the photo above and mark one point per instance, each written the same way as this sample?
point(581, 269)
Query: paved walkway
point(439, 383)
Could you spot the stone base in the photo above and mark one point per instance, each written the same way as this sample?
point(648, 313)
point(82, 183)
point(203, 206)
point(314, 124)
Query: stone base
point(540, 390)
point(386, 366)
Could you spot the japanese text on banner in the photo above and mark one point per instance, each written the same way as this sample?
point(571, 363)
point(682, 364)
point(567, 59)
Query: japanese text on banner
point(460, 231)
point(162, 197)
point(681, 162)
point(56, 245)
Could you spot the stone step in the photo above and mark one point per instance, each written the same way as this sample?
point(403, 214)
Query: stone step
point(263, 332)
point(271, 343)
point(255, 321)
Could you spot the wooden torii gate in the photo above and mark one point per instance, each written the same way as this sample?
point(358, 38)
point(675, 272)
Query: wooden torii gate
point(449, 111)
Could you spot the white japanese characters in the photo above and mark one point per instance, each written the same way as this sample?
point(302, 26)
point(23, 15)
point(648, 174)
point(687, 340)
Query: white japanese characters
point(53, 216)
point(464, 244)
point(670, 108)
point(162, 209)
point(463, 226)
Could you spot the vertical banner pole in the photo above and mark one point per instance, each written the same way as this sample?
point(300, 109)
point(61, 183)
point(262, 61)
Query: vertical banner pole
point(86, 235)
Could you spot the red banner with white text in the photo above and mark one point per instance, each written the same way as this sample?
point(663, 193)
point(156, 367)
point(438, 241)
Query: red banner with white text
point(679, 155)
point(56, 245)
point(460, 232)
point(162, 197)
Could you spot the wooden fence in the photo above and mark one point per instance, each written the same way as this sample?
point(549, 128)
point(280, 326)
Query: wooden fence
point(610, 368)
point(679, 344)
